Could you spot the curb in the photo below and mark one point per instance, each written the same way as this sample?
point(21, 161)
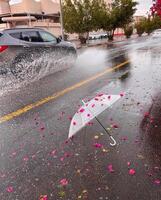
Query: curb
point(106, 43)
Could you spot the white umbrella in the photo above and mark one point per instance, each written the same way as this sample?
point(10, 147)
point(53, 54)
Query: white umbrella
point(91, 110)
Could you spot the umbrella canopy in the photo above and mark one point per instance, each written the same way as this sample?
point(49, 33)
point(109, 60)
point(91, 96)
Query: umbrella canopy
point(90, 110)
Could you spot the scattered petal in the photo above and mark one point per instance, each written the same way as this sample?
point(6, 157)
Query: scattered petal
point(110, 168)
point(10, 189)
point(132, 172)
point(53, 152)
point(157, 182)
point(70, 118)
point(43, 197)
point(128, 164)
point(42, 128)
point(98, 145)
point(25, 159)
point(114, 126)
point(64, 182)
point(62, 159)
point(146, 114)
point(150, 174)
point(124, 138)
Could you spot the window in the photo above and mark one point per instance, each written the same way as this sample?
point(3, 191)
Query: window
point(1, 34)
point(31, 36)
point(47, 37)
point(16, 35)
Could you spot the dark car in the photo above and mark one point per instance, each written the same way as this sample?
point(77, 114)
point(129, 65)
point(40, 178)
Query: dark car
point(22, 46)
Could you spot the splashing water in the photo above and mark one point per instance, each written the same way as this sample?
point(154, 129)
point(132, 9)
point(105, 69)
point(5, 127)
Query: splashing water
point(27, 72)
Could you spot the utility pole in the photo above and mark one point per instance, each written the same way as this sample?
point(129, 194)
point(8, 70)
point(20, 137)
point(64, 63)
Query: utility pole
point(61, 20)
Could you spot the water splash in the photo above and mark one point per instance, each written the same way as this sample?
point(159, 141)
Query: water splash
point(27, 72)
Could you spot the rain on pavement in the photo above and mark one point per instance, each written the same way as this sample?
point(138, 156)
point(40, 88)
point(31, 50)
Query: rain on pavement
point(38, 162)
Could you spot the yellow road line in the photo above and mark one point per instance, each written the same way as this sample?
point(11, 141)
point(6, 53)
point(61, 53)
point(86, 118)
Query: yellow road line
point(58, 94)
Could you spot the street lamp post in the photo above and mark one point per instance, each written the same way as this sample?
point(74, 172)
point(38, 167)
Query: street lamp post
point(61, 20)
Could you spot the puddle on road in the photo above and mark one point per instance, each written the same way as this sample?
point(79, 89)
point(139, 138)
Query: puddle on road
point(93, 57)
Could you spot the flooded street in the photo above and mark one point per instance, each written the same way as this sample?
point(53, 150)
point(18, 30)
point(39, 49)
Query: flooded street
point(36, 159)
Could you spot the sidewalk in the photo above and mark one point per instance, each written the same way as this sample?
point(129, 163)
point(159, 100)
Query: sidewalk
point(100, 42)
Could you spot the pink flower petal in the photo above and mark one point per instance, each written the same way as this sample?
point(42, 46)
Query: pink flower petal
point(97, 145)
point(53, 152)
point(124, 138)
point(88, 115)
point(67, 155)
point(64, 182)
point(43, 197)
point(114, 126)
point(33, 156)
point(62, 159)
point(10, 189)
point(110, 168)
point(157, 182)
point(128, 164)
point(132, 172)
point(42, 128)
point(156, 168)
point(93, 105)
point(146, 114)
point(70, 118)
point(25, 159)
point(109, 97)
point(150, 174)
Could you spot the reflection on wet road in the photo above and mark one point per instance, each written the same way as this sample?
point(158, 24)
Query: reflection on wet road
point(37, 161)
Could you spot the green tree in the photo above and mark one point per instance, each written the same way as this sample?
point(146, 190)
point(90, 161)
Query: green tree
point(128, 30)
point(120, 14)
point(140, 27)
point(152, 24)
point(83, 16)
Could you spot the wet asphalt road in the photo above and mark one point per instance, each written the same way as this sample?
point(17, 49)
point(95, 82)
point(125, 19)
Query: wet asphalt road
point(37, 161)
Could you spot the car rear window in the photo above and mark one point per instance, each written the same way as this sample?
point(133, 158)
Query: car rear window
point(16, 35)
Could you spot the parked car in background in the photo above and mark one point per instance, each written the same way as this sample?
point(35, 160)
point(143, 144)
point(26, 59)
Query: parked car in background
point(97, 36)
point(26, 45)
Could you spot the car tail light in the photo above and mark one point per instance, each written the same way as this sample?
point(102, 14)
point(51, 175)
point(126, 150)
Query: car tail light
point(3, 48)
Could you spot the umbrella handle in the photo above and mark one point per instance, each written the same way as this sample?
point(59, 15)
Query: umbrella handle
point(114, 141)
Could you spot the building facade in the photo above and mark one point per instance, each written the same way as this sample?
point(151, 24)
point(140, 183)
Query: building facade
point(35, 13)
point(30, 13)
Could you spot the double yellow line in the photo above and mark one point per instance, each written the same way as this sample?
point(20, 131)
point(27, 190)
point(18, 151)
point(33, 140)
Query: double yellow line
point(29, 107)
